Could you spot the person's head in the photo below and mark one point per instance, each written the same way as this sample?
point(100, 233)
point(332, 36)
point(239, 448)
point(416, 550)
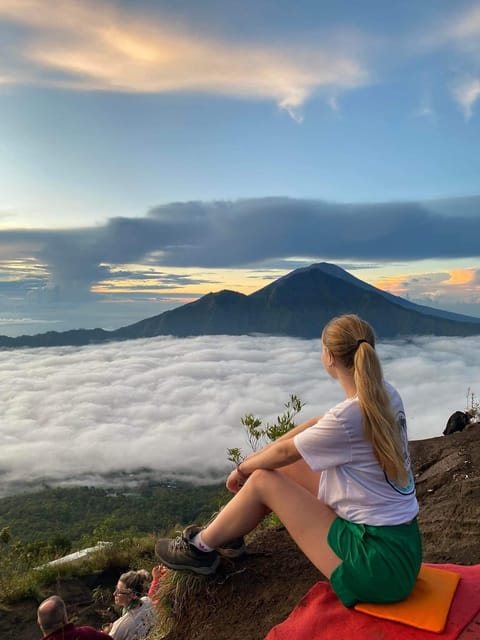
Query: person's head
point(52, 615)
point(343, 338)
point(130, 586)
point(349, 342)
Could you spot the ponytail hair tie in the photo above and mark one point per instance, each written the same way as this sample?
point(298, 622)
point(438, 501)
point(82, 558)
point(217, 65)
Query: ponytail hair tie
point(359, 342)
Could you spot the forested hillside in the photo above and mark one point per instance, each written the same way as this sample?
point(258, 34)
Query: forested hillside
point(70, 517)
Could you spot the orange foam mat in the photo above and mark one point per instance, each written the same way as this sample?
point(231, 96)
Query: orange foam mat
point(426, 607)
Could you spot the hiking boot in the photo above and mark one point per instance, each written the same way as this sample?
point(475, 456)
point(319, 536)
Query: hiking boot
point(233, 549)
point(179, 554)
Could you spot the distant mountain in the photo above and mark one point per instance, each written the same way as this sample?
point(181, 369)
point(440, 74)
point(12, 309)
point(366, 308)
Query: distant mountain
point(298, 305)
point(74, 337)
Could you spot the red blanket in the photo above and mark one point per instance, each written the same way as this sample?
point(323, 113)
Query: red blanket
point(321, 616)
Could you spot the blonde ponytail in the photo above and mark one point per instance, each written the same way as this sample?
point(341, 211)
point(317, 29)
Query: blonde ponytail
point(352, 342)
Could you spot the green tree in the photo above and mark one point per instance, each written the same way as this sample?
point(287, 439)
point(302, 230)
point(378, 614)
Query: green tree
point(258, 435)
point(5, 535)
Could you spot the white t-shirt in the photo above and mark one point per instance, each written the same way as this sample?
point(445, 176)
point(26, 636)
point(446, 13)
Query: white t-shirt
point(136, 624)
point(352, 482)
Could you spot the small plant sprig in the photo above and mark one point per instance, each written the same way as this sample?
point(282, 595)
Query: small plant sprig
point(473, 404)
point(258, 435)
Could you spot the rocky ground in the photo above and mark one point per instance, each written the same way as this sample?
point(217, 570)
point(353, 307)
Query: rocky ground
point(249, 596)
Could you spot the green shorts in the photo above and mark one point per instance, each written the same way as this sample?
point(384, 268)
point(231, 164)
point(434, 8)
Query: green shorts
point(379, 564)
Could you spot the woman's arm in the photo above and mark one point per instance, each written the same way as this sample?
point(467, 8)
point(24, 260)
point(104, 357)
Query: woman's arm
point(298, 429)
point(275, 454)
point(287, 436)
point(158, 573)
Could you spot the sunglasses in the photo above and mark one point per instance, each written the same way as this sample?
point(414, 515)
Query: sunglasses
point(121, 593)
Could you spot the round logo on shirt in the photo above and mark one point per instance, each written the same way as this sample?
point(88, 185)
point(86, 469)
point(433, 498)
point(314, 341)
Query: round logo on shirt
point(410, 486)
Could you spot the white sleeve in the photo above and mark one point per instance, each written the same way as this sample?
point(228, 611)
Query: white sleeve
point(325, 444)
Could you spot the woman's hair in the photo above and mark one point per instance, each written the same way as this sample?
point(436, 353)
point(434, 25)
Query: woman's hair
point(351, 341)
point(136, 581)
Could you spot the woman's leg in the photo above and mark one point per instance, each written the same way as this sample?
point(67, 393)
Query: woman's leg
point(299, 472)
point(305, 517)
point(303, 475)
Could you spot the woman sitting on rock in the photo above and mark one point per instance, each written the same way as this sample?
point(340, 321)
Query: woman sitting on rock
point(341, 484)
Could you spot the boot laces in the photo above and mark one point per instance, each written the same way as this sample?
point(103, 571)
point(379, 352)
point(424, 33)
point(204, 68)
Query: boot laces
point(180, 543)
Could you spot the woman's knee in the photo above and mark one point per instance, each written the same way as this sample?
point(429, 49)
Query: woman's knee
point(263, 480)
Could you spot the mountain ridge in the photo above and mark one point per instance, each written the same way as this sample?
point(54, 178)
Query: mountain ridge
point(341, 273)
point(298, 304)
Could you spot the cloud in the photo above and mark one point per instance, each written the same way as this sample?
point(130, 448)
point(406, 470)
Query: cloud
point(79, 46)
point(26, 321)
point(245, 233)
point(457, 290)
point(222, 234)
point(173, 406)
point(464, 29)
point(466, 93)
point(425, 109)
point(459, 32)
point(152, 276)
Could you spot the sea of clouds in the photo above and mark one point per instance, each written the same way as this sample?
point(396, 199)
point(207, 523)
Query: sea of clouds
point(170, 407)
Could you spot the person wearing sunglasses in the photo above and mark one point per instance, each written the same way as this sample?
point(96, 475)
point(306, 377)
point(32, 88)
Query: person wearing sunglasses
point(138, 613)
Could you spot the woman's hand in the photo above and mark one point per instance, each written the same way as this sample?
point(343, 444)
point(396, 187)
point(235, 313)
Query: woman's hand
point(159, 572)
point(235, 481)
point(276, 454)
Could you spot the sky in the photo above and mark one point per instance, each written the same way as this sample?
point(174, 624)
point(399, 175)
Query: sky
point(172, 407)
point(155, 151)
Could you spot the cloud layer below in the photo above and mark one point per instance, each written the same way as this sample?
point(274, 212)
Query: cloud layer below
point(172, 407)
